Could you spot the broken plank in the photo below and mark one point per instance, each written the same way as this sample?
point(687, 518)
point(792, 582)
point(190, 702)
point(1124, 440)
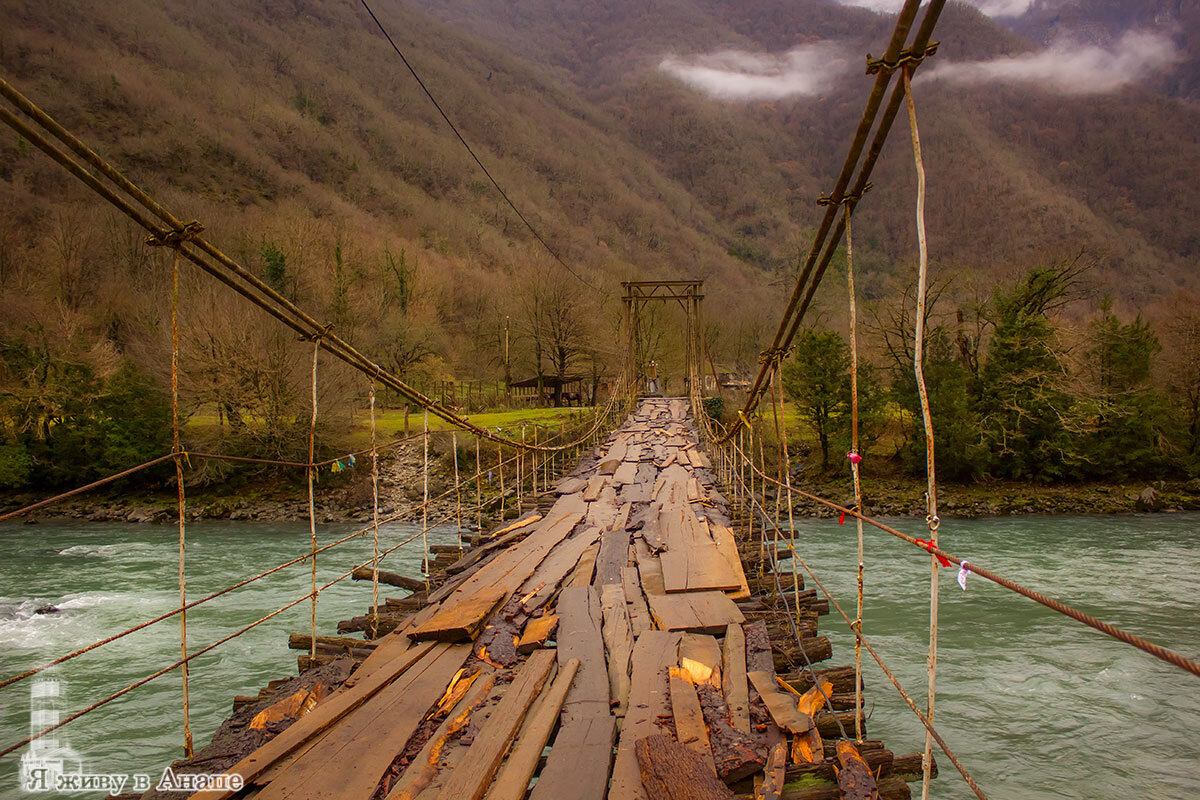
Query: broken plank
point(536, 632)
point(689, 720)
point(613, 556)
point(462, 622)
point(653, 654)
point(702, 612)
point(472, 777)
point(781, 705)
point(580, 636)
point(700, 658)
point(561, 561)
point(592, 493)
point(582, 574)
point(513, 778)
point(579, 760)
point(352, 758)
point(771, 787)
point(639, 612)
point(854, 778)
point(618, 642)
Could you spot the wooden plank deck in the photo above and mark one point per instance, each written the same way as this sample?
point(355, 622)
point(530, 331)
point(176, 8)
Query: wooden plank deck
point(630, 586)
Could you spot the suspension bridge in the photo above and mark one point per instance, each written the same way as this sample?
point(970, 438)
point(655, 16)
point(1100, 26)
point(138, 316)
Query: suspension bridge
point(630, 631)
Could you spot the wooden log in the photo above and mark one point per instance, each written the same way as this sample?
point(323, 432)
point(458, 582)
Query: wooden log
point(536, 632)
point(842, 679)
point(390, 578)
point(462, 622)
point(788, 654)
point(690, 730)
point(734, 678)
point(671, 771)
point(910, 768)
point(302, 641)
point(879, 761)
point(472, 777)
point(735, 753)
point(514, 776)
point(618, 642)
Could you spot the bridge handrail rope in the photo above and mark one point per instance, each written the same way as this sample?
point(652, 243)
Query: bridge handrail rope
point(186, 239)
point(1158, 651)
point(298, 560)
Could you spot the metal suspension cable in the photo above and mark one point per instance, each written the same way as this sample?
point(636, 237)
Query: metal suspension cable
point(1158, 651)
point(462, 140)
point(813, 270)
point(186, 239)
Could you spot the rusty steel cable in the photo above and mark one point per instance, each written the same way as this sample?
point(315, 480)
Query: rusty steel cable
point(1158, 651)
point(186, 239)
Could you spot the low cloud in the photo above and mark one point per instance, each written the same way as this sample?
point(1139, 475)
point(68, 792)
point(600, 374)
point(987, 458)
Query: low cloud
point(738, 75)
point(993, 8)
point(1070, 68)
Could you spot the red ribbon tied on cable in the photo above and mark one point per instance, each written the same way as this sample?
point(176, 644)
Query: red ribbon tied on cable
point(945, 562)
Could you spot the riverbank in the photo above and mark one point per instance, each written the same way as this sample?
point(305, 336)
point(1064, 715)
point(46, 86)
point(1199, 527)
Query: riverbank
point(347, 497)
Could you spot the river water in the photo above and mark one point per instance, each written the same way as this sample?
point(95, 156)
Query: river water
point(1034, 704)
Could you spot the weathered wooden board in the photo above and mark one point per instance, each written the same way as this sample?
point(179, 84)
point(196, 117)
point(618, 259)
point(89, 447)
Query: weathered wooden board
point(626, 472)
point(580, 757)
point(772, 786)
point(650, 570)
point(618, 643)
point(463, 621)
point(350, 760)
point(781, 704)
point(472, 777)
point(702, 612)
point(582, 574)
point(639, 612)
point(727, 545)
point(592, 493)
point(518, 768)
point(689, 720)
point(854, 778)
point(700, 658)
point(536, 632)
point(698, 567)
point(654, 653)
point(563, 559)
point(612, 558)
point(733, 678)
point(580, 636)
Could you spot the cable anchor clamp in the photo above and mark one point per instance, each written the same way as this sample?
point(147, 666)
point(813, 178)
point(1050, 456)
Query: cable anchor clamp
point(850, 198)
point(175, 237)
point(907, 57)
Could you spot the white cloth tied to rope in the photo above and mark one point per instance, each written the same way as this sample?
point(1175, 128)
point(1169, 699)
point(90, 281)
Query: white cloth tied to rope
point(963, 571)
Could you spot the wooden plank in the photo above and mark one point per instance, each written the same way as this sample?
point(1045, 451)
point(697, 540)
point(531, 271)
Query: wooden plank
point(649, 570)
point(702, 612)
point(653, 654)
point(427, 764)
point(700, 658)
point(328, 712)
point(781, 705)
point(462, 622)
point(563, 559)
point(613, 557)
point(618, 642)
point(671, 771)
point(513, 778)
point(536, 632)
point(592, 493)
point(689, 721)
point(626, 473)
point(582, 574)
point(727, 545)
point(579, 760)
point(733, 678)
point(472, 777)
point(698, 567)
point(603, 513)
point(353, 757)
point(639, 612)
point(570, 485)
point(580, 636)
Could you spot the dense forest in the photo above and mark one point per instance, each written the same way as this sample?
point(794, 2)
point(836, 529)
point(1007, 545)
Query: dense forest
point(291, 131)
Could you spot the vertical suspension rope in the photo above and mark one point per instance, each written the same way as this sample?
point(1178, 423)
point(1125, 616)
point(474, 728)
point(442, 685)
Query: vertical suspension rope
point(786, 456)
point(425, 499)
point(178, 451)
point(457, 490)
point(931, 517)
point(500, 469)
point(478, 489)
point(858, 698)
point(374, 523)
point(312, 507)
point(533, 472)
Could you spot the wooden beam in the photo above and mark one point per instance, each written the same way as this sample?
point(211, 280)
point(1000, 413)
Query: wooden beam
point(737, 694)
